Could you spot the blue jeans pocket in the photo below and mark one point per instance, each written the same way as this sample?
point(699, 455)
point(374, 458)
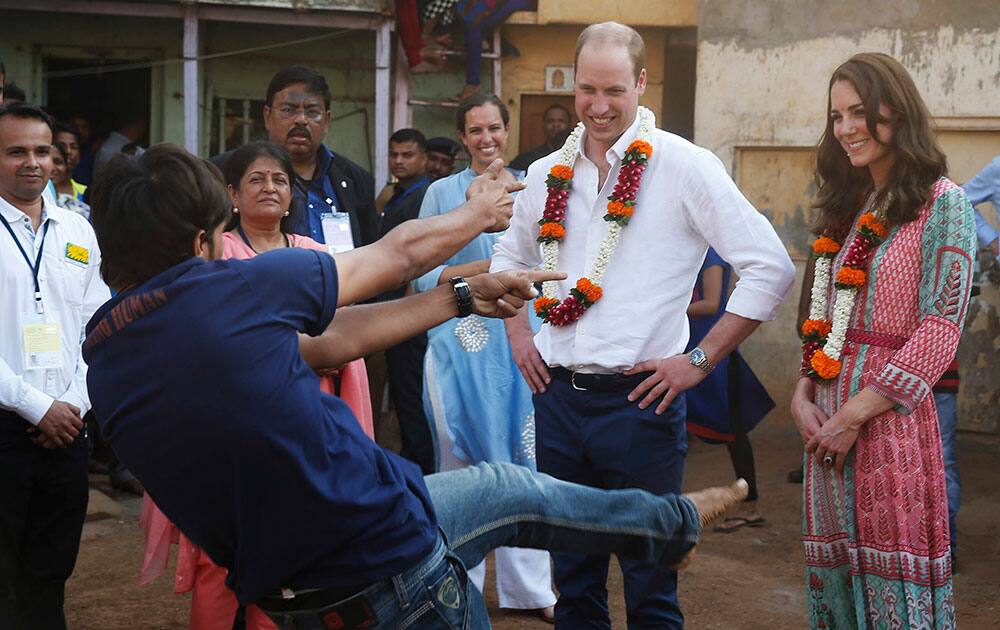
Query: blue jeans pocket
point(447, 600)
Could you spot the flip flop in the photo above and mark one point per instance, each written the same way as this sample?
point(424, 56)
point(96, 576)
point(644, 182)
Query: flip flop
point(733, 523)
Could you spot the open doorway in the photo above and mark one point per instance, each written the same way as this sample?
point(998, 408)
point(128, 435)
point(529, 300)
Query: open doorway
point(97, 100)
point(533, 106)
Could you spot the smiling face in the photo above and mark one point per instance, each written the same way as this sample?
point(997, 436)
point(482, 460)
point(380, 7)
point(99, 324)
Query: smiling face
point(606, 92)
point(297, 119)
point(60, 170)
point(25, 158)
point(485, 135)
point(265, 193)
point(69, 144)
point(850, 128)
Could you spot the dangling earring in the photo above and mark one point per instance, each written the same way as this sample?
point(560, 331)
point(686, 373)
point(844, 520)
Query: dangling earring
point(287, 213)
point(236, 210)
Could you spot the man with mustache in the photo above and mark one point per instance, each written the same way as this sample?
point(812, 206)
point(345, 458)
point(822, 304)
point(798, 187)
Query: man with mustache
point(297, 116)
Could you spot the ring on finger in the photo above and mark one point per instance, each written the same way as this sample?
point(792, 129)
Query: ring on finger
point(827, 460)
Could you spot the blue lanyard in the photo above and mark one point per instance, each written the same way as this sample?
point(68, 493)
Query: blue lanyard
point(35, 268)
point(395, 201)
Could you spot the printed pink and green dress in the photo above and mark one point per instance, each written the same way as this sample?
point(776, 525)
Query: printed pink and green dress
point(876, 538)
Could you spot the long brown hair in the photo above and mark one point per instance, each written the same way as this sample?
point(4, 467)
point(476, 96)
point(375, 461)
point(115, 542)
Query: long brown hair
point(919, 161)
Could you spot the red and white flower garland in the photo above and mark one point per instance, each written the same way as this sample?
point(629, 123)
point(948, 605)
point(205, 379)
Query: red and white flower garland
point(823, 339)
point(621, 206)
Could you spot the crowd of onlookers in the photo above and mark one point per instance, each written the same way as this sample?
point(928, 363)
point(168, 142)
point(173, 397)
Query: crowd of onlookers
point(327, 201)
point(457, 391)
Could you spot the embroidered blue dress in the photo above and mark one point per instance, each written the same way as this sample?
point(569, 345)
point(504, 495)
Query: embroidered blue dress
point(708, 403)
point(471, 384)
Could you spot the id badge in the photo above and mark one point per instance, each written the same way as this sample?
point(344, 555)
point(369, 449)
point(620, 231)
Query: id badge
point(41, 341)
point(337, 232)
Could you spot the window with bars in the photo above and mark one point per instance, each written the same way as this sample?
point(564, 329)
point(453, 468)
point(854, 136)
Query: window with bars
point(235, 122)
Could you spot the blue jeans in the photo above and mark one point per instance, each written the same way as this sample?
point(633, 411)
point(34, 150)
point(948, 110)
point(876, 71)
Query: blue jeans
point(602, 440)
point(947, 411)
point(480, 508)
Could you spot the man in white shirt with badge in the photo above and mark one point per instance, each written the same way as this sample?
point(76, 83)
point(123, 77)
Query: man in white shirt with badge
point(628, 211)
point(50, 283)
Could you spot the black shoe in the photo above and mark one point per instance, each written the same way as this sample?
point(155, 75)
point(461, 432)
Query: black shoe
point(95, 467)
point(122, 479)
point(795, 476)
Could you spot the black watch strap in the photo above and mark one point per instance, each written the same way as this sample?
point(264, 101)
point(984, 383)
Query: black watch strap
point(463, 295)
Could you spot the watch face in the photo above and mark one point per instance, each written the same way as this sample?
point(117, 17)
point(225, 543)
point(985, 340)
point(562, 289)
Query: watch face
point(697, 356)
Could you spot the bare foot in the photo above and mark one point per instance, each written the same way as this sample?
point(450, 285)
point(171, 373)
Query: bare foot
point(433, 54)
point(713, 502)
point(467, 91)
point(547, 614)
point(425, 67)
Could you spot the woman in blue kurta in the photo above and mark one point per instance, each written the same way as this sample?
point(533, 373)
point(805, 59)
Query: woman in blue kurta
point(730, 401)
point(473, 393)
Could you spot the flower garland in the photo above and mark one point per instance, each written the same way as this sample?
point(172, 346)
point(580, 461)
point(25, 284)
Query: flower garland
point(823, 339)
point(552, 226)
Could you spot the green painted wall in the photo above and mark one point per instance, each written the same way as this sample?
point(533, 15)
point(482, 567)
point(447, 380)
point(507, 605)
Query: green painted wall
point(347, 60)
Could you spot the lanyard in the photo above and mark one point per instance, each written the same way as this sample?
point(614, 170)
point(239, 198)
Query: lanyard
point(243, 235)
point(35, 268)
point(395, 201)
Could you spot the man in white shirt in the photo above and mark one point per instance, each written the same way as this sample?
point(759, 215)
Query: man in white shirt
point(607, 406)
point(50, 282)
point(132, 127)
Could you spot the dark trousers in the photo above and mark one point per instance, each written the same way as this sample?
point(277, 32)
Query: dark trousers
point(43, 501)
point(603, 440)
point(406, 388)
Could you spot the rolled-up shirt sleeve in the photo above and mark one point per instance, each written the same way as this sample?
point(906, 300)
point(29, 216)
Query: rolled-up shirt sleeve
point(985, 186)
point(518, 247)
point(741, 235)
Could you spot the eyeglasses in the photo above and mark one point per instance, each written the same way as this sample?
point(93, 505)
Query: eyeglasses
point(313, 113)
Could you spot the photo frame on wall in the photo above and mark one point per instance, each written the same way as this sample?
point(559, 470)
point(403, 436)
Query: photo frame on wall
point(559, 79)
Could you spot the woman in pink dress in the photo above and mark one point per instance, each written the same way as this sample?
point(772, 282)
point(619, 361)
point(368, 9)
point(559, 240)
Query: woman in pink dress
point(259, 176)
point(892, 271)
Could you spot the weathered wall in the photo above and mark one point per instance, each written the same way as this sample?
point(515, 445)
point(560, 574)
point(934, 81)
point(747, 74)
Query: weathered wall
point(763, 68)
point(656, 13)
point(347, 61)
point(553, 46)
point(540, 45)
point(26, 36)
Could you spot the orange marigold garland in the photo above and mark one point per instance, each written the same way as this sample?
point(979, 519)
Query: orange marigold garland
point(823, 338)
point(620, 208)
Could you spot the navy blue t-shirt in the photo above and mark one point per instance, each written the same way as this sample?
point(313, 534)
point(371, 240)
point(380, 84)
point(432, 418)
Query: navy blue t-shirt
point(197, 382)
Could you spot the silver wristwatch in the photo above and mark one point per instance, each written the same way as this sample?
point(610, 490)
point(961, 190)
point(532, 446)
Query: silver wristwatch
point(699, 359)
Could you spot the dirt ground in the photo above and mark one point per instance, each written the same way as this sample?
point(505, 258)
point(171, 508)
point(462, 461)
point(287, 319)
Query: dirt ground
point(752, 578)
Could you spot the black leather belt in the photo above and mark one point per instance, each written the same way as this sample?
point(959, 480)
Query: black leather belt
point(598, 382)
point(349, 601)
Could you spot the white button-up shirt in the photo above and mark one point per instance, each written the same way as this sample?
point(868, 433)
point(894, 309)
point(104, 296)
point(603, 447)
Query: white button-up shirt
point(70, 288)
point(686, 202)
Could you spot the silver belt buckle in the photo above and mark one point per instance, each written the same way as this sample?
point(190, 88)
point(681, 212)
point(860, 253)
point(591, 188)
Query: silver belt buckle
point(572, 381)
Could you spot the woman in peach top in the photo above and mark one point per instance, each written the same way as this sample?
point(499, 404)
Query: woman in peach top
point(259, 177)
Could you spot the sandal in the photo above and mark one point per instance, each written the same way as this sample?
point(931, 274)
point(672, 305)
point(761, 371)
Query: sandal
point(732, 523)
